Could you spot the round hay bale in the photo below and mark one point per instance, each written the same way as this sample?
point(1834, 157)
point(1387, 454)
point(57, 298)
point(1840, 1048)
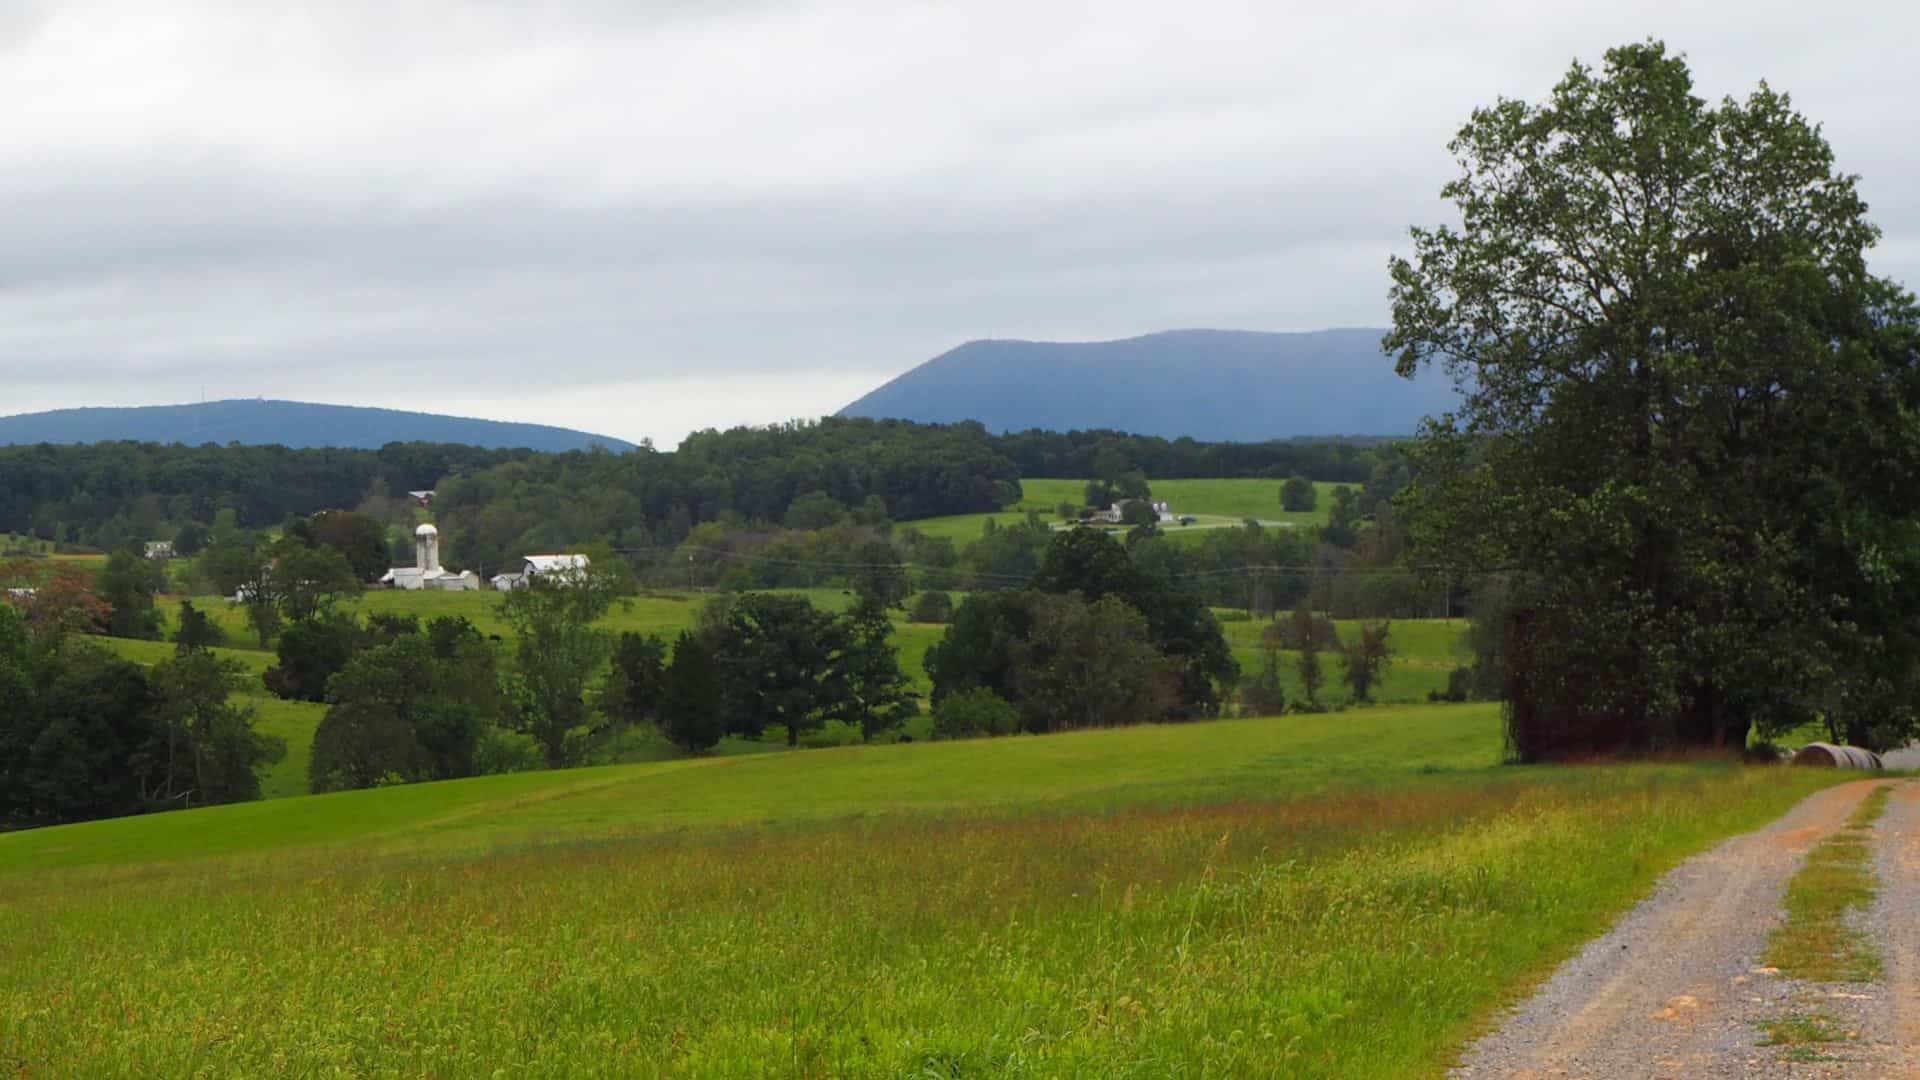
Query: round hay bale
point(1836, 757)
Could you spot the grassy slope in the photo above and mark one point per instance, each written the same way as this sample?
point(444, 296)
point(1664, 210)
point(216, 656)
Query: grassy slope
point(1424, 652)
point(1339, 896)
point(1215, 501)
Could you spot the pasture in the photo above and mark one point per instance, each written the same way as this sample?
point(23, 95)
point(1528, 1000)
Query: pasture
point(1217, 503)
point(1326, 895)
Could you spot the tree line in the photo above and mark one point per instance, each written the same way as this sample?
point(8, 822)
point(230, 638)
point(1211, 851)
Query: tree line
point(497, 504)
point(85, 734)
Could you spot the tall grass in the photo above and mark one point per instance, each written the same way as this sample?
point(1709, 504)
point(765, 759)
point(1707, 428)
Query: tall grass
point(1255, 898)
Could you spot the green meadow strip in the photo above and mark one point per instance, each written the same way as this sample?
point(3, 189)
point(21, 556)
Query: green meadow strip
point(1816, 943)
point(1206, 926)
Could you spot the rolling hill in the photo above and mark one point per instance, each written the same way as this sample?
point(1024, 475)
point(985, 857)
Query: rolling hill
point(1216, 385)
point(287, 423)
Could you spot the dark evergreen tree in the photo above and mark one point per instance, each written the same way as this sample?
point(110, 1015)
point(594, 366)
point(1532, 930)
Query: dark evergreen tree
point(690, 710)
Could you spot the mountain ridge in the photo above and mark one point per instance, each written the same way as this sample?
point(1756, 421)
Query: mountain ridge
point(294, 424)
point(1207, 384)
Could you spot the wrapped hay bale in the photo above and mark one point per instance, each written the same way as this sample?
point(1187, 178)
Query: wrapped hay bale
point(1836, 757)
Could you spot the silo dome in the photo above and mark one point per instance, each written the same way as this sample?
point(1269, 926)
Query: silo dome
point(426, 530)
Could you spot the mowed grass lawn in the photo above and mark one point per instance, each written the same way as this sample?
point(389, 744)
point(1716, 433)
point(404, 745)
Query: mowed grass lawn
point(1331, 896)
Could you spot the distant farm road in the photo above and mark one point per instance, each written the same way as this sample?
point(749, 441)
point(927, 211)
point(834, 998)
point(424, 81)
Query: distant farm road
point(1678, 988)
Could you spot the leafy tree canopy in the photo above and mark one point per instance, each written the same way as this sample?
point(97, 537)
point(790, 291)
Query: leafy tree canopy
point(1689, 424)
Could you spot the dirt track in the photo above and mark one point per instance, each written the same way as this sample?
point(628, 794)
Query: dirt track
point(1675, 989)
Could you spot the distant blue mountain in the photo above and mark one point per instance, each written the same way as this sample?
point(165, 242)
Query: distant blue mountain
point(287, 423)
point(1212, 385)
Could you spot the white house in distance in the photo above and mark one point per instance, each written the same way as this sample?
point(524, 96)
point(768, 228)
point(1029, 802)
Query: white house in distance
point(426, 571)
point(1112, 514)
point(556, 567)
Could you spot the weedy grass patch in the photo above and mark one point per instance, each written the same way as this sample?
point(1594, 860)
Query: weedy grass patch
point(1802, 1029)
point(1332, 896)
point(1816, 942)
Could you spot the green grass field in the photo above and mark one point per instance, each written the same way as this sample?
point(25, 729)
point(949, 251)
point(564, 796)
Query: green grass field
point(1425, 651)
point(1218, 503)
point(1340, 895)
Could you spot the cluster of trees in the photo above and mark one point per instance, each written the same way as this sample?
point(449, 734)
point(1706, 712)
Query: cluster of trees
point(85, 734)
point(1095, 639)
point(760, 660)
point(803, 475)
point(1686, 449)
point(413, 703)
point(1310, 634)
point(1106, 454)
point(103, 495)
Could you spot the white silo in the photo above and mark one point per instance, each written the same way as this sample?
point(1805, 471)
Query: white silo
point(426, 549)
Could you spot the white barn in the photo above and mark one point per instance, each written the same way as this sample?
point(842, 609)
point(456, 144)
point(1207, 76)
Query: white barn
point(556, 567)
point(426, 571)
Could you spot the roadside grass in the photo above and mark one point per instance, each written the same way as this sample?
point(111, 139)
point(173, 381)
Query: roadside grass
point(1801, 1029)
point(1815, 943)
point(1333, 897)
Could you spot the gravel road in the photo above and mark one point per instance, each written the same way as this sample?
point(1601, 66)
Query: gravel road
point(1676, 989)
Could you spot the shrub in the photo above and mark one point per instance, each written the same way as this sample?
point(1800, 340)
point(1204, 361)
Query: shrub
point(1297, 495)
point(977, 711)
point(1262, 693)
point(1293, 632)
point(932, 607)
point(1459, 686)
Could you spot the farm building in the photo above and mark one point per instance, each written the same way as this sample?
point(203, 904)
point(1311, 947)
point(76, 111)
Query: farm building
point(1112, 515)
point(421, 498)
point(160, 549)
point(426, 571)
point(552, 567)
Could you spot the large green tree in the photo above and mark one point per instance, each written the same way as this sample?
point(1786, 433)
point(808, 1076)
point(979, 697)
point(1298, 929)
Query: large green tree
point(128, 583)
point(558, 653)
point(1688, 429)
point(212, 752)
point(782, 662)
point(413, 708)
point(690, 711)
point(1090, 664)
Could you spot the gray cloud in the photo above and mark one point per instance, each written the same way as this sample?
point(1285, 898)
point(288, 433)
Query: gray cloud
point(646, 218)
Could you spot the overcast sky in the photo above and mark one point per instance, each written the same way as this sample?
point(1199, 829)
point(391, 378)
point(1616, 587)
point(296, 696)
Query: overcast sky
point(644, 218)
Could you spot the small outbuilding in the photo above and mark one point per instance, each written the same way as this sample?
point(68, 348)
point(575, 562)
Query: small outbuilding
point(1836, 757)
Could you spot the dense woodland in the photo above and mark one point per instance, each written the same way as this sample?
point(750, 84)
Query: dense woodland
point(100, 495)
point(498, 504)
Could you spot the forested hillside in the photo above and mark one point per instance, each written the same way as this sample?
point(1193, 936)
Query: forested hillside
point(759, 485)
point(255, 422)
point(107, 493)
point(1199, 384)
point(799, 474)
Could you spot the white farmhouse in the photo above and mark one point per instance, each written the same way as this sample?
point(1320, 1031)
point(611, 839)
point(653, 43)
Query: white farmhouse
point(426, 571)
point(1113, 515)
point(558, 568)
